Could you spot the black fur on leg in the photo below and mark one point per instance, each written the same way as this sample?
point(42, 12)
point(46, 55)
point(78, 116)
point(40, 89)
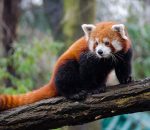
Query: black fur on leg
point(123, 68)
point(68, 80)
point(94, 71)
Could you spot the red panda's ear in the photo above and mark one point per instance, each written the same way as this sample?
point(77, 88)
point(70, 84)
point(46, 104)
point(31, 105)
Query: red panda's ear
point(88, 28)
point(121, 29)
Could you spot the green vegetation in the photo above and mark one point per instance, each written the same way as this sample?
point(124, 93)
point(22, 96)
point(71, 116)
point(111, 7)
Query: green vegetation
point(32, 63)
point(141, 44)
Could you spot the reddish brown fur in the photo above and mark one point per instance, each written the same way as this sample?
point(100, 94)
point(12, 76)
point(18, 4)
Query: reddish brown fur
point(11, 101)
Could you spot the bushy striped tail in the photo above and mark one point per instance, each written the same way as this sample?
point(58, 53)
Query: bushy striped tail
point(11, 101)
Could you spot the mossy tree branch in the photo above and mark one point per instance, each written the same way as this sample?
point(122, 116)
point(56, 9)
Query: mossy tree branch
point(58, 112)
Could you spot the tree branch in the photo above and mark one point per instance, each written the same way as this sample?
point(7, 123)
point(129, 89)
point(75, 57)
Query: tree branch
point(58, 112)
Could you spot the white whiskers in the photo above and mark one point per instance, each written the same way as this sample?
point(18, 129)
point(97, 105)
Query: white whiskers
point(119, 56)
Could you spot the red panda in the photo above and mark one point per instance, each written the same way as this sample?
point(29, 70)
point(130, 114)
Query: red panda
point(85, 66)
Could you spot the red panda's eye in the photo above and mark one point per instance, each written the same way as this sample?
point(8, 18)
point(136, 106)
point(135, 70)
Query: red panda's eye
point(106, 43)
point(96, 43)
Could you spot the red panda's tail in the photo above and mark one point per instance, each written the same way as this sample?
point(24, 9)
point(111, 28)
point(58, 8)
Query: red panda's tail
point(11, 101)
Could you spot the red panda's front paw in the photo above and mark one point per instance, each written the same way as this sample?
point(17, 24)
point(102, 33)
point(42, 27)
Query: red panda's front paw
point(127, 80)
point(101, 89)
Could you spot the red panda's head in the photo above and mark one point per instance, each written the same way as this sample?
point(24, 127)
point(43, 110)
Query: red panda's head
point(106, 38)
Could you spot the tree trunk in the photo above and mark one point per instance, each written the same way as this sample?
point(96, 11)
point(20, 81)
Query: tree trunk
point(65, 17)
point(1, 29)
point(57, 112)
point(76, 12)
point(10, 15)
point(54, 12)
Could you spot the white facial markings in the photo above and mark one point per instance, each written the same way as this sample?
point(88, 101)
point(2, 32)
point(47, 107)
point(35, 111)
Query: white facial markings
point(106, 50)
point(117, 45)
point(91, 44)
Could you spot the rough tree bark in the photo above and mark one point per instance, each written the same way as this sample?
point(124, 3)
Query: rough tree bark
point(58, 112)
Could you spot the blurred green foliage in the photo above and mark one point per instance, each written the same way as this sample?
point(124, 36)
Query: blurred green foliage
point(140, 36)
point(31, 62)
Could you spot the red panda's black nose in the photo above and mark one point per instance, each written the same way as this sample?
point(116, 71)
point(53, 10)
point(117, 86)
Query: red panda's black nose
point(100, 52)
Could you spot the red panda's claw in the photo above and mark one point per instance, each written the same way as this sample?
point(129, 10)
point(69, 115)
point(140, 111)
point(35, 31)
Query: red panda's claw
point(79, 96)
point(101, 89)
point(129, 79)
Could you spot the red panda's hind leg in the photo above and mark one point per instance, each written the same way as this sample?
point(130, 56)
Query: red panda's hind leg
point(68, 81)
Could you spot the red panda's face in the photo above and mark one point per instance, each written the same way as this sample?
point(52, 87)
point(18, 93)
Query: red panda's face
point(101, 47)
point(105, 39)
